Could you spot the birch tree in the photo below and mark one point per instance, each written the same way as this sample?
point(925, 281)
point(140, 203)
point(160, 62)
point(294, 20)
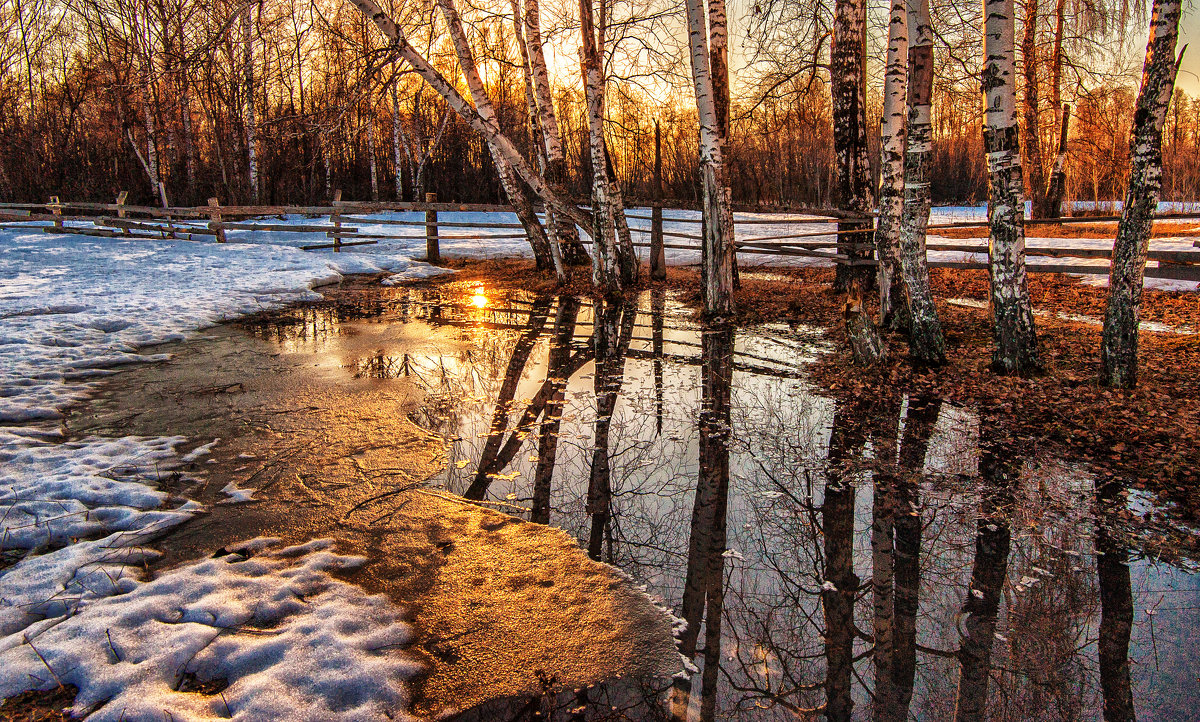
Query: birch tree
point(716, 262)
point(483, 123)
point(551, 135)
point(892, 131)
point(1032, 138)
point(605, 265)
point(1015, 338)
point(847, 79)
point(925, 339)
point(544, 251)
point(1118, 350)
point(248, 88)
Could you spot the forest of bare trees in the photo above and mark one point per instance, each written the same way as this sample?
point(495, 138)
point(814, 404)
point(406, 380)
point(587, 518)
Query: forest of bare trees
point(286, 100)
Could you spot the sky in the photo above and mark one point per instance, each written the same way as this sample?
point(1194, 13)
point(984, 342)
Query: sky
point(1189, 32)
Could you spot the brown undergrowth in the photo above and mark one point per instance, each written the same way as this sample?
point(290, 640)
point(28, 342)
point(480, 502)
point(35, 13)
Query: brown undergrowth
point(1146, 437)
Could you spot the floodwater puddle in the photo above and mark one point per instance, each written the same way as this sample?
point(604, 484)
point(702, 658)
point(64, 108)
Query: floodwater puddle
point(870, 558)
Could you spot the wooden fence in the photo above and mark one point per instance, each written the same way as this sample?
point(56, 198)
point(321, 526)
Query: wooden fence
point(343, 228)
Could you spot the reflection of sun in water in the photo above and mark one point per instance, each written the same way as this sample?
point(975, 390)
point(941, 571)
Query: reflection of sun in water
point(479, 300)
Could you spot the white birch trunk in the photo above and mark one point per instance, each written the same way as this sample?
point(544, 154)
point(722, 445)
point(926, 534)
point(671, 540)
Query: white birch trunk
point(488, 128)
point(545, 252)
point(716, 269)
point(1118, 350)
point(605, 267)
point(1012, 315)
point(893, 132)
point(250, 120)
point(551, 135)
point(370, 129)
point(397, 146)
point(925, 339)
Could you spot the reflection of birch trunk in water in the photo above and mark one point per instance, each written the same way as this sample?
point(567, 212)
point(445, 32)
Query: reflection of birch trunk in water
point(883, 447)
point(658, 298)
point(610, 348)
point(703, 589)
point(557, 375)
point(999, 469)
point(1116, 623)
point(508, 390)
point(841, 584)
point(906, 568)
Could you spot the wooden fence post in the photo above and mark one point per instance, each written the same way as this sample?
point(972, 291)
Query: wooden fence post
point(433, 253)
point(214, 219)
point(658, 256)
point(56, 210)
point(336, 217)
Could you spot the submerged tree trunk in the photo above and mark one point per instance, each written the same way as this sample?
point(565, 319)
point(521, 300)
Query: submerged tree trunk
point(1116, 623)
point(891, 187)
point(1118, 350)
point(1033, 141)
point(556, 373)
point(841, 584)
point(1012, 315)
point(925, 339)
point(716, 256)
point(703, 588)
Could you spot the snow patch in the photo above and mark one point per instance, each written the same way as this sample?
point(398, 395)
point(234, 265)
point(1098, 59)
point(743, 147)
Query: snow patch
point(290, 641)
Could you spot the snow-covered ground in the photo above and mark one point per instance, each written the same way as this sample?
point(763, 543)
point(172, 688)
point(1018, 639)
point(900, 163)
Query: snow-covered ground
point(77, 517)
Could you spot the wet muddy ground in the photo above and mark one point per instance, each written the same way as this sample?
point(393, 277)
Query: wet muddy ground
point(886, 558)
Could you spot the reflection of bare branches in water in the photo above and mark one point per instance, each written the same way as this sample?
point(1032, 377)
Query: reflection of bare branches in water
point(852, 559)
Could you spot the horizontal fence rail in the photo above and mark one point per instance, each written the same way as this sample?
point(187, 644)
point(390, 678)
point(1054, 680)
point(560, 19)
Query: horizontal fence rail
point(348, 222)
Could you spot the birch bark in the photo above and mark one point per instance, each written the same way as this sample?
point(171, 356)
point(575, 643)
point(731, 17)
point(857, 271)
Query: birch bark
point(606, 273)
point(925, 339)
point(397, 145)
point(891, 187)
point(1033, 143)
point(716, 269)
point(1056, 190)
point(1016, 348)
point(551, 136)
point(847, 80)
point(485, 125)
point(847, 76)
point(544, 251)
point(250, 120)
point(1118, 350)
